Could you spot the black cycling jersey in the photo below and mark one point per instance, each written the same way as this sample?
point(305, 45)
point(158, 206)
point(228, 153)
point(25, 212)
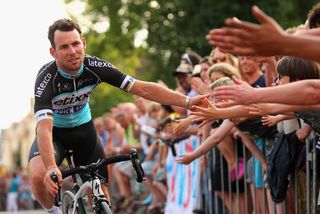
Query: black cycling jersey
point(65, 98)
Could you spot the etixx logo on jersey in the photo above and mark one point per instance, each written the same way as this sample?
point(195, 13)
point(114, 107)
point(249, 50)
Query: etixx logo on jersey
point(71, 99)
point(43, 85)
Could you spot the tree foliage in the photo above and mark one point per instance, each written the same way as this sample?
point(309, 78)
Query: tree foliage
point(173, 26)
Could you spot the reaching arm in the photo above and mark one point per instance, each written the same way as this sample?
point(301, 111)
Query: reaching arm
point(304, 92)
point(261, 109)
point(158, 93)
point(211, 112)
point(264, 39)
point(209, 143)
point(183, 125)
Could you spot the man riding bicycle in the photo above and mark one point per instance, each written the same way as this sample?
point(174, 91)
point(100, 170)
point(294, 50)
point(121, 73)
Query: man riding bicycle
point(62, 90)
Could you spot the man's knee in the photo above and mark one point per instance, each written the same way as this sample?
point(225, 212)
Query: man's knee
point(36, 170)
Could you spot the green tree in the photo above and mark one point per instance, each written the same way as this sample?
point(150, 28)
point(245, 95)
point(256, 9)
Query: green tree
point(173, 26)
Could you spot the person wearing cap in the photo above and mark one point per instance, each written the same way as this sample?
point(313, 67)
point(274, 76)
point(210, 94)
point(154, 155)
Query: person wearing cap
point(182, 74)
point(190, 58)
point(199, 80)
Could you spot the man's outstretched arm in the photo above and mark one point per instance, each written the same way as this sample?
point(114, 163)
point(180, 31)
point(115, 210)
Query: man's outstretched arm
point(158, 93)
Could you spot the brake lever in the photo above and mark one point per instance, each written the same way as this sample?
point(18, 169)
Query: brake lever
point(137, 166)
point(57, 198)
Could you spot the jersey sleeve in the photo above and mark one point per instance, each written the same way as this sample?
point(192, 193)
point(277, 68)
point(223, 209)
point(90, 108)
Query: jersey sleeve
point(109, 73)
point(43, 93)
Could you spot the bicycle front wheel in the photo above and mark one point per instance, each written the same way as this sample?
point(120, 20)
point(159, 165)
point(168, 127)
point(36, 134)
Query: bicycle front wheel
point(104, 208)
point(67, 203)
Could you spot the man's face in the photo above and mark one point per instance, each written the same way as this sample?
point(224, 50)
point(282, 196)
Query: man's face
point(248, 65)
point(69, 50)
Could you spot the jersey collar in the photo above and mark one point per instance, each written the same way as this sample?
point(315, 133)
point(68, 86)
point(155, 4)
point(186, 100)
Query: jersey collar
point(69, 76)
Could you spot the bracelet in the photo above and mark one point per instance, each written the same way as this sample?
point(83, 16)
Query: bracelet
point(188, 99)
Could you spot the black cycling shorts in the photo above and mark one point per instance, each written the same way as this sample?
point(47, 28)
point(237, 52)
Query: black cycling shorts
point(84, 142)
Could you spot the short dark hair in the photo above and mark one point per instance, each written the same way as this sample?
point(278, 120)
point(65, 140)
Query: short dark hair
point(298, 68)
point(62, 25)
point(314, 16)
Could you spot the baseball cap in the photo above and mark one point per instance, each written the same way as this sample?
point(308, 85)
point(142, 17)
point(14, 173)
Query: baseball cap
point(196, 70)
point(184, 69)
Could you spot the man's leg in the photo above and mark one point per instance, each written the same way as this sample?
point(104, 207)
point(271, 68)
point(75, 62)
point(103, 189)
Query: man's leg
point(37, 172)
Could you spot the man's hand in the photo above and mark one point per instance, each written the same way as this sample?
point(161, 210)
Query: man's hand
point(51, 186)
point(245, 38)
point(198, 100)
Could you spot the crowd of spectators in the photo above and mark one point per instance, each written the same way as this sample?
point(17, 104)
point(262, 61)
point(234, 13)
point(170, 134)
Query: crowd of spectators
point(15, 192)
point(266, 131)
point(266, 134)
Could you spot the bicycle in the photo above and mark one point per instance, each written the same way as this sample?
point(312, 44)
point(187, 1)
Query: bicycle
point(72, 200)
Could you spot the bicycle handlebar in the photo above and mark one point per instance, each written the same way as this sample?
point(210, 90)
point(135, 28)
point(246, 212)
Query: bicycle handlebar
point(119, 158)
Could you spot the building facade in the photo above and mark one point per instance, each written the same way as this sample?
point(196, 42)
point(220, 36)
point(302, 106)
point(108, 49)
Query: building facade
point(16, 140)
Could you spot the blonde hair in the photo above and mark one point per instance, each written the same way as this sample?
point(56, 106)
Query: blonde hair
point(220, 82)
point(225, 68)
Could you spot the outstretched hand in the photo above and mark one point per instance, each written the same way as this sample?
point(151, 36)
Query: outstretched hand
point(198, 100)
point(239, 94)
point(185, 158)
point(182, 125)
point(258, 109)
point(204, 114)
point(245, 38)
point(269, 120)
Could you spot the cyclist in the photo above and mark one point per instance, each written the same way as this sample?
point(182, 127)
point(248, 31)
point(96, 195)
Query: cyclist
point(62, 90)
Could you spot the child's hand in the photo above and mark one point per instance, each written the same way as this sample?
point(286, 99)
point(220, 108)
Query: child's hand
point(185, 158)
point(182, 125)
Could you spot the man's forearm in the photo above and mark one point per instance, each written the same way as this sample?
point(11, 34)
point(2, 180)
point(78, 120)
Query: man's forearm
point(46, 149)
point(158, 93)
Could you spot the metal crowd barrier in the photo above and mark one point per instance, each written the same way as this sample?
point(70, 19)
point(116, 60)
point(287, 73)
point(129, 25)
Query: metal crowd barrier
point(215, 204)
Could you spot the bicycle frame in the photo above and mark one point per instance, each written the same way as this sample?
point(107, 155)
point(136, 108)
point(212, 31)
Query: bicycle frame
point(80, 189)
point(97, 193)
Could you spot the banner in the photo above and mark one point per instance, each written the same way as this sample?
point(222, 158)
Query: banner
point(183, 181)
